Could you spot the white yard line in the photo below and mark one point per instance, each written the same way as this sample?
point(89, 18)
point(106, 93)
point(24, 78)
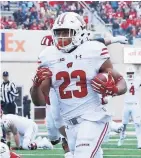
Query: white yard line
point(123, 156)
point(63, 155)
point(41, 155)
point(122, 145)
point(106, 149)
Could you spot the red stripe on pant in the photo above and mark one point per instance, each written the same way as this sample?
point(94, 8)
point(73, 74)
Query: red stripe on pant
point(100, 140)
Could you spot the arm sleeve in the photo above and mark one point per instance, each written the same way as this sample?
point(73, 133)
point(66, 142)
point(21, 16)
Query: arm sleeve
point(14, 91)
point(42, 59)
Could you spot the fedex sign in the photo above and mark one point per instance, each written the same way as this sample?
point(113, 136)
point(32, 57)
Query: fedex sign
point(9, 43)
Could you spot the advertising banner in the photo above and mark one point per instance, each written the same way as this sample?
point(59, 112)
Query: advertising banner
point(21, 45)
point(132, 55)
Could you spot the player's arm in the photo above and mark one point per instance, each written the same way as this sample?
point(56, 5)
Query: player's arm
point(118, 39)
point(109, 40)
point(104, 65)
point(120, 86)
point(41, 86)
point(8, 139)
point(15, 134)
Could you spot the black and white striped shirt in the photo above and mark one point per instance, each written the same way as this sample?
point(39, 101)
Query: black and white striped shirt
point(8, 92)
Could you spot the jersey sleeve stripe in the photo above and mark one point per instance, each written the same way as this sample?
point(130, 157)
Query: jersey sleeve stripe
point(104, 53)
point(104, 49)
point(39, 62)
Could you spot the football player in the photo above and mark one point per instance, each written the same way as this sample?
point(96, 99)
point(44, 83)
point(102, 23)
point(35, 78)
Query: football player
point(72, 64)
point(131, 105)
point(24, 131)
point(4, 149)
point(54, 120)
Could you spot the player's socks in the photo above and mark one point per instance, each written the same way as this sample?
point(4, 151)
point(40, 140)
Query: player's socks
point(65, 145)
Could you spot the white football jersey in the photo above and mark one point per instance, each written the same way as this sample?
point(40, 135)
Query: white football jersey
point(21, 123)
point(132, 94)
point(72, 73)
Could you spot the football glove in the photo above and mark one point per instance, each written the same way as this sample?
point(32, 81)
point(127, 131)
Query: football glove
point(41, 74)
point(105, 88)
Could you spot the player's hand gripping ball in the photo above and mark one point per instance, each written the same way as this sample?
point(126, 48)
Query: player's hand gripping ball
point(104, 84)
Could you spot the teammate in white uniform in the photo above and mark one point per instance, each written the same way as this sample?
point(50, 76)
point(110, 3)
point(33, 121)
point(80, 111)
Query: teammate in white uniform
point(23, 129)
point(131, 105)
point(73, 63)
point(4, 149)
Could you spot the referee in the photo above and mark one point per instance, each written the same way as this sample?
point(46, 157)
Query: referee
point(8, 95)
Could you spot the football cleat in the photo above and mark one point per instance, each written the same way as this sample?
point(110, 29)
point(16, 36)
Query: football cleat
point(56, 141)
point(121, 140)
point(46, 144)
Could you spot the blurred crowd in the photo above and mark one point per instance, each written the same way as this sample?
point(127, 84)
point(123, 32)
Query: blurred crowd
point(124, 16)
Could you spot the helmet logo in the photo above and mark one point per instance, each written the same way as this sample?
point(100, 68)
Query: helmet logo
point(61, 20)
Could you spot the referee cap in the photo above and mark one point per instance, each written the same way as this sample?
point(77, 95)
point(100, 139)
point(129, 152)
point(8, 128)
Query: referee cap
point(5, 73)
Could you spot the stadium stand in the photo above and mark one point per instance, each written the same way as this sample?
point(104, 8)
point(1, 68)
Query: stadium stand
point(123, 17)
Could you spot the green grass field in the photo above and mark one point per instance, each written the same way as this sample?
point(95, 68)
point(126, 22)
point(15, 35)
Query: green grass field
point(128, 150)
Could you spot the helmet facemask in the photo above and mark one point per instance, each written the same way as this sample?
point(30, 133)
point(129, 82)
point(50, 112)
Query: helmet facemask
point(63, 38)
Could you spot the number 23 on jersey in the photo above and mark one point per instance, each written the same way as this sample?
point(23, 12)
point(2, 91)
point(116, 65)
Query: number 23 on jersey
point(81, 83)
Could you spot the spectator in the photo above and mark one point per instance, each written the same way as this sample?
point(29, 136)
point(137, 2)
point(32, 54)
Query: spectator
point(73, 7)
point(129, 33)
point(114, 5)
point(45, 12)
point(10, 22)
point(26, 106)
point(29, 4)
point(4, 22)
point(133, 13)
point(119, 14)
point(19, 16)
point(116, 28)
point(34, 26)
point(138, 8)
point(5, 4)
point(139, 33)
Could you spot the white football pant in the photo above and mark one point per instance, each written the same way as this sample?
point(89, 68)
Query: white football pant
point(85, 138)
point(134, 111)
point(29, 136)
